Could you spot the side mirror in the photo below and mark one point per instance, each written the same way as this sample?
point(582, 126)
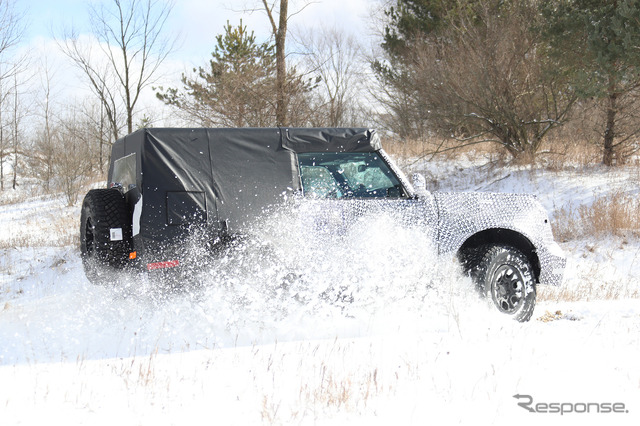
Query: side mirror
point(419, 183)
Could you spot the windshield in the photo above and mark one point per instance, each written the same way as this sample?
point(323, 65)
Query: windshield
point(347, 175)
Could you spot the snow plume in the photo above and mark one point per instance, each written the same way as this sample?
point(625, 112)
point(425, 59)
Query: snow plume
point(320, 269)
point(304, 272)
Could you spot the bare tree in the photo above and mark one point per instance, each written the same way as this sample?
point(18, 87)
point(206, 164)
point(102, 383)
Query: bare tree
point(11, 30)
point(278, 13)
point(131, 47)
point(72, 150)
point(334, 57)
point(41, 154)
point(17, 113)
point(4, 140)
point(95, 119)
point(64, 149)
point(101, 81)
point(480, 78)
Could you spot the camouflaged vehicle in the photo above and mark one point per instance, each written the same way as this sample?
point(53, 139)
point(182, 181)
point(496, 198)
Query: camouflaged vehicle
point(166, 184)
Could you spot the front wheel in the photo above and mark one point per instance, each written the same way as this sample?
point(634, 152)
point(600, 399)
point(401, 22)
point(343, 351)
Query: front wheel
point(504, 275)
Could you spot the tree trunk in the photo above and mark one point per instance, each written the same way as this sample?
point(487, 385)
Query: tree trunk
point(14, 181)
point(281, 67)
point(15, 132)
point(609, 133)
point(101, 139)
point(1, 154)
point(280, 35)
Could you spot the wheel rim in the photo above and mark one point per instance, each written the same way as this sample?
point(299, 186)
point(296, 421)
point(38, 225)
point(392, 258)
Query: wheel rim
point(507, 288)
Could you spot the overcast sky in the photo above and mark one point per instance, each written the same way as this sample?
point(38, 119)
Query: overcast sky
point(197, 22)
point(194, 22)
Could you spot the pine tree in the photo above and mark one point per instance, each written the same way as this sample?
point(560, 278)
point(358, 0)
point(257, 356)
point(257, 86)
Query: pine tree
point(470, 70)
point(236, 89)
point(596, 44)
point(411, 19)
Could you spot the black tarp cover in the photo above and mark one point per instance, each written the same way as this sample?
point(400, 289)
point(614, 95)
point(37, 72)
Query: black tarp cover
point(221, 178)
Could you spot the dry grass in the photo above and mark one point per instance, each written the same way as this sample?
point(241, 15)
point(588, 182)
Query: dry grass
point(598, 269)
point(557, 315)
point(566, 148)
point(613, 214)
point(53, 226)
point(561, 152)
point(331, 391)
point(607, 262)
point(54, 230)
point(31, 241)
point(588, 289)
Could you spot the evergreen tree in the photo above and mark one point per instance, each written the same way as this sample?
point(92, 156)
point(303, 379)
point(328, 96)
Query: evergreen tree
point(412, 19)
point(596, 44)
point(471, 70)
point(238, 87)
point(235, 89)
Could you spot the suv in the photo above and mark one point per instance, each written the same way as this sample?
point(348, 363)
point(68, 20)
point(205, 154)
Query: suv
point(167, 185)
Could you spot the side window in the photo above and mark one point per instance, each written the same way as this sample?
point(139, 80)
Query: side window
point(371, 177)
point(124, 172)
point(347, 175)
point(318, 182)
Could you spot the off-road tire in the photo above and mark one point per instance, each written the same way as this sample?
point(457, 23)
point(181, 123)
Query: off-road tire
point(102, 211)
point(503, 274)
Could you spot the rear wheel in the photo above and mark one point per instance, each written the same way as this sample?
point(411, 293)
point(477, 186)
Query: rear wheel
point(504, 275)
point(105, 234)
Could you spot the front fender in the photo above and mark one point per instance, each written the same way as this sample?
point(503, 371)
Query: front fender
point(463, 215)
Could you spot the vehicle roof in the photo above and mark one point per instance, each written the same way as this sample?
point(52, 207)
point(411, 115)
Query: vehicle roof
point(224, 174)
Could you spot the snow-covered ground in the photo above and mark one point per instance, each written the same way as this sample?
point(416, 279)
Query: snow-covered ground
point(252, 343)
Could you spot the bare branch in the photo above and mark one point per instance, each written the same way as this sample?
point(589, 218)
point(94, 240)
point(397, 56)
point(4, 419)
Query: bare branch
point(131, 40)
point(269, 10)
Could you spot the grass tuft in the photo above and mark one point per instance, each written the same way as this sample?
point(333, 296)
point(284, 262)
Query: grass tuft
point(613, 214)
